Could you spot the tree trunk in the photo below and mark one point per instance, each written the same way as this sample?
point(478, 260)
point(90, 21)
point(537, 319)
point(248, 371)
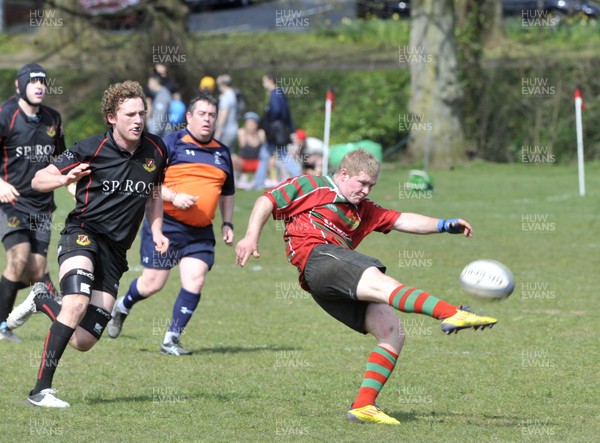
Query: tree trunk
point(434, 120)
point(492, 10)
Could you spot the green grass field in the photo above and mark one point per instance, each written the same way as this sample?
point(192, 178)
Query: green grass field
point(269, 365)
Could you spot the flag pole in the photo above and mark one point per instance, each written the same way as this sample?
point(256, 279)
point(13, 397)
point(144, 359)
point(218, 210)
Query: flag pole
point(579, 126)
point(328, 107)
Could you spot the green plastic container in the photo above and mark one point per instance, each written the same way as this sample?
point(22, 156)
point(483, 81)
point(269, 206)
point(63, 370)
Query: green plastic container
point(337, 152)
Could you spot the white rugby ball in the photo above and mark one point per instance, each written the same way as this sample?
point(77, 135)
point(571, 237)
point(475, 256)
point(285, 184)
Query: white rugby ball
point(487, 279)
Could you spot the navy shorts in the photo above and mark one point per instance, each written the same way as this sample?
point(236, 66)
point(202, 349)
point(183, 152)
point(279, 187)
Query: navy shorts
point(184, 241)
point(332, 274)
point(17, 227)
point(110, 261)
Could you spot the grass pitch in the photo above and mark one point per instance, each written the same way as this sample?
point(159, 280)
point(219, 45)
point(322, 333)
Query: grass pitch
point(269, 365)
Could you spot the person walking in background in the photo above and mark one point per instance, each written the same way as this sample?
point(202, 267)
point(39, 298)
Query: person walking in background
point(198, 179)
point(278, 125)
point(158, 112)
point(31, 134)
point(325, 220)
point(227, 123)
point(118, 176)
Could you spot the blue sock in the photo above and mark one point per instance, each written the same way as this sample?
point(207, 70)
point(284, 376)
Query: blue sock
point(133, 296)
point(183, 310)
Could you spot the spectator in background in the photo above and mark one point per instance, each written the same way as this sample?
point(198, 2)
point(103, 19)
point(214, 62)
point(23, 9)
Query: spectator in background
point(177, 110)
point(250, 140)
point(207, 84)
point(277, 124)
point(158, 114)
point(163, 72)
point(227, 123)
point(307, 151)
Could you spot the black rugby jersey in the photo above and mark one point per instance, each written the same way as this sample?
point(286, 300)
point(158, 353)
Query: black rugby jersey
point(111, 200)
point(26, 146)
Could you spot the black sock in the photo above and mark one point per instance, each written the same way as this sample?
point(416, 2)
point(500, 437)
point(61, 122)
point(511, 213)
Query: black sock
point(51, 288)
point(48, 306)
point(56, 343)
point(8, 295)
point(23, 285)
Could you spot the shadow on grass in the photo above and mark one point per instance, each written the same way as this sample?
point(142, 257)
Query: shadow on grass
point(232, 349)
point(165, 397)
point(505, 421)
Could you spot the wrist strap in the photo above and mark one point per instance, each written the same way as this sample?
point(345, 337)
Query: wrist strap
point(227, 224)
point(440, 225)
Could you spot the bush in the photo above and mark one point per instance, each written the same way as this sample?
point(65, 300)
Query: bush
point(533, 106)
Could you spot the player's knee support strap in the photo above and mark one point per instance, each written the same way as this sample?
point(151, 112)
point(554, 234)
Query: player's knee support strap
point(77, 281)
point(95, 320)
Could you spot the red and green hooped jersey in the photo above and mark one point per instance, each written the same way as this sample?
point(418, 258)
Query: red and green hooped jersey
point(315, 212)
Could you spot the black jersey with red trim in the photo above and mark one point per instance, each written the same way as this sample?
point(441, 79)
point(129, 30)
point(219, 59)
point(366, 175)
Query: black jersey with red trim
point(28, 144)
point(111, 200)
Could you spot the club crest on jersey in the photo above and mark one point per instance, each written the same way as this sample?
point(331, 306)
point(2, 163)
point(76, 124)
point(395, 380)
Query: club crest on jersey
point(83, 240)
point(150, 166)
point(51, 131)
point(13, 222)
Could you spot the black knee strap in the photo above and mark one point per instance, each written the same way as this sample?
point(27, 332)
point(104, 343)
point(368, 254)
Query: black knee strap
point(95, 320)
point(77, 281)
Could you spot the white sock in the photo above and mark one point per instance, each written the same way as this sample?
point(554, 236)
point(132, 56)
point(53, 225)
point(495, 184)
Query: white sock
point(169, 336)
point(121, 307)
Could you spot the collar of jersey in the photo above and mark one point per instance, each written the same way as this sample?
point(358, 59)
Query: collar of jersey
point(120, 148)
point(339, 195)
point(212, 143)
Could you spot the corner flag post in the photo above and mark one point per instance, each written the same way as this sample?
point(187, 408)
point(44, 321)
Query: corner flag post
point(329, 103)
point(579, 106)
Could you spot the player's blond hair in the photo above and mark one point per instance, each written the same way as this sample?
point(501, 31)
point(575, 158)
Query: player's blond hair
point(117, 94)
point(359, 161)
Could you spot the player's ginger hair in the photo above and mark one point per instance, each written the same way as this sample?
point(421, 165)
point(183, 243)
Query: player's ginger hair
point(117, 94)
point(359, 161)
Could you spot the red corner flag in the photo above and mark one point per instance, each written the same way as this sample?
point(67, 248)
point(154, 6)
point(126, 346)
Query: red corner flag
point(330, 97)
point(576, 96)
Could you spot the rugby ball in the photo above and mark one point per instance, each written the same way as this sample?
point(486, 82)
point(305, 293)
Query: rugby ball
point(487, 279)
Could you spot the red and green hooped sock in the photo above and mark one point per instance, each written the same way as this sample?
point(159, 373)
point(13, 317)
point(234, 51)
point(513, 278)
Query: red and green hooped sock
point(407, 299)
point(380, 365)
